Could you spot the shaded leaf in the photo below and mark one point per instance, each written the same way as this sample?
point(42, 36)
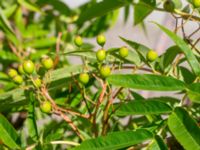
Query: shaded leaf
point(188, 77)
point(31, 120)
point(142, 10)
point(139, 48)
point(8, 135)
point(96, 9)
point(168, 57)
point(158, 144)
point(185, 129)
point(4, 22)
point(194, 92)
point(192, 60)
point(28, 5)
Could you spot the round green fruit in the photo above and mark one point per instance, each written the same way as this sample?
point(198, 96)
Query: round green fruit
point(123, 51)
point(105, 71)
point(152, 55)
point(169, 5)
point(18, 79)
point(20, 69)
point(84, 78)
point(47, 63)
point(78, 41)
point(46, 107)
point(12, 73)
point(37, 82)
point(101, 40)
point(196, 3)
point(28, 67)
point(101, 55)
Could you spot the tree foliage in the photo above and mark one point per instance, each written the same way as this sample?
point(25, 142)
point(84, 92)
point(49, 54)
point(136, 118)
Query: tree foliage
point(48, 102)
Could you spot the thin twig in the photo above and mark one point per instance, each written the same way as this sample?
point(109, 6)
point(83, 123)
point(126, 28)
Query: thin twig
point(69, 121)
point(195, 31)
point(133, 67)
point(14, 50)
point(106, 115)
point(56, 61)
point(101, 97)
point(59, 112)
point(65, 142)
point(82, 93)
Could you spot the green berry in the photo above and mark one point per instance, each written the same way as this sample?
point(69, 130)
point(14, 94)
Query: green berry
point(78, 41)
point(37, 82)
point(152, 55)
point(20, 69)
point(12, 73)
point(101, 40)
point(169, 5)
point(105, 71)
point(28, 67)
point(46, 107)
point(196, 3)
point(84, 78)
point(123, 51)
point(18, 79)
point(101, 55)
point(47, 63)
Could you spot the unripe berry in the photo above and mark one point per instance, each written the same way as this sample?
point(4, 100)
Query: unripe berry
point(152, 55)
point(37, 82)
point(196, 3)
point(46, 107)
point(101, 40)
point(28, 67)
point(105, 71)
point(169, 5)
point(18, 79)
point(78, 41)
point(47, 63)
point(12, 73)
point(101, 55)
point(123, 51)
point(84, 78)
point(20, 69)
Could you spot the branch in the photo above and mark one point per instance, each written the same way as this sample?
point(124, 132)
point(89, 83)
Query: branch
point(106, 115)
point(100, 100)
point(59, 111)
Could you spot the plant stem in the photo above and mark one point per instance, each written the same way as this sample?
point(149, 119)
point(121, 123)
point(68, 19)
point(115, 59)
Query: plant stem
point(31, 116)
point(31, 120)
point(106, 115)
point(101, 97)
point(59, 111)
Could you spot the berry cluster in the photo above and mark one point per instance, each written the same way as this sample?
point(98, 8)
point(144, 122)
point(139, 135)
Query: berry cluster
point(101, 55)
point(28, 70)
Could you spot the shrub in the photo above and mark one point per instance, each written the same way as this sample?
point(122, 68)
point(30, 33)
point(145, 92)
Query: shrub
point(96, 104)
